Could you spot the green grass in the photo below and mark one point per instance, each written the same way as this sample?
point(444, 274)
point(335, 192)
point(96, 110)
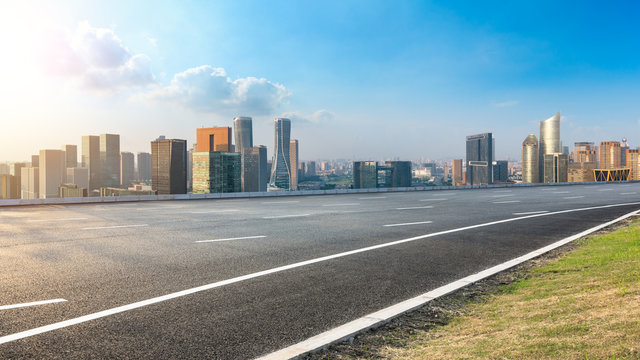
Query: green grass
point(585, 305)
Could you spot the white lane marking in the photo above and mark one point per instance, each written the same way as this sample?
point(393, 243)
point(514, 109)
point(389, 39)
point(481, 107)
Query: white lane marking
point(280, 202)
point(155, 300)
point(159, 208)
point(285, 216)
point(499, 196)
point(561, 192)
point(54, 220)
point(412, 223)
point(114, 227)
point(503, 191)
point(438, 199)
point(532, 212)
point(506, 202)
point(415, 207)
point(230, 239)
point(605, 189)
point(573, 197)
point(34, 303)
point(214, 211)
point(628, 193)
point(380, 317)
point(344, 204)
point(372, 198)
point(547, 189)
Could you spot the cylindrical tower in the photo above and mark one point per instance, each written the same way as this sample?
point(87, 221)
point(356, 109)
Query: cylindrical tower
point(242, 126)
point(549, 140)
point(530, 162)
point(280, 165)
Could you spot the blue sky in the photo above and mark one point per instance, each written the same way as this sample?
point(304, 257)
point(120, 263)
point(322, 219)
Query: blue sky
point(360, 79)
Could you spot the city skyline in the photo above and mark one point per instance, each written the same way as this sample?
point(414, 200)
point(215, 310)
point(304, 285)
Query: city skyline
point(453, 70)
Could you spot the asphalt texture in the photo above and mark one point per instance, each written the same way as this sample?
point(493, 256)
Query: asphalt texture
point(99, 257)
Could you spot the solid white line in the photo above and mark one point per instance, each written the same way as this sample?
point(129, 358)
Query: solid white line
point(628, 193)
point(54, 220)
point(412, 223)
point(280, 202)
point(416, 207)
point(531, 212)
point(502, 191)
point(372, 198)
point(213, 211)
point(561, 192)
point(114, 227)
point(605, 190)
point(506, 202)
point(441, 199)
point(573, 197)
point(348, 330)
point(547, 189)
point(35, 303)
point(229, 239)
point(285, 216)
point(345, 204)
point(139, 304)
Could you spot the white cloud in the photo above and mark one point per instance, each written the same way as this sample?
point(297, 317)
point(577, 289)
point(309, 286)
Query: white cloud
point(210, 90)
point(98, 58)
point(507, 103)
point(318, 117)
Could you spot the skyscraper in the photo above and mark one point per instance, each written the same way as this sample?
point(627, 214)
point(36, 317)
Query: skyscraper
point(110, 160)
point(243, 133)
point(500, 171)
point(281, 168)
point(633, 163)
point(556, 168)
point(456, 172)
point(216, 172)
point(624, 146)
point(15, 170)
point(35, 160)
point(213, 139)
point(144, 166)
point(51, 176)
point(530, 160)
point(70, 155)
point(610, 155)
point(91, 160)
point(311, 168)
point(79, 177)
point(400, 173)
point(30, 183)
point(169, 166)
point(365, 174)
point(127, 168)
point(549, 140)
point(479, 158)
point(254, 163)
point(293, 162)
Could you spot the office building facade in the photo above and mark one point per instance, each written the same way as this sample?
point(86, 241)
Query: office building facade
point(70, 155)
point(30, 183)
point(216, 172)
point(110, 160)
point(500, 171)
point(549, 141)
point(91, 160)
point(144, 167)
point(365, 174)
point(633, 163)
point(243, 128)
point(479, 159)
point(556, 168)
point(169, 166)
point(79, 177)
point(281, 167)
point(610, 155)
point(254, 164)
point(213, 139)
point(530, 160)
point(293, 161)
point(127, 169)
point(400, 175)
point(52, 163)
point(456, 172)
point(581, 171)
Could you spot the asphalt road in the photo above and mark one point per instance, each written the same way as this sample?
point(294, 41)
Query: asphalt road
point(104, 257)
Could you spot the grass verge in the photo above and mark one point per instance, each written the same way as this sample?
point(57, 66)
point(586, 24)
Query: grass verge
point(583, 305)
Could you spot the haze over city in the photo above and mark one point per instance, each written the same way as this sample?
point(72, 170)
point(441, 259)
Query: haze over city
point(359, 80)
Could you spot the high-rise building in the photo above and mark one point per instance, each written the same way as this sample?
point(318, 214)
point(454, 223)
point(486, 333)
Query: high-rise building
point(35, 160)
point(254, 163)
point(144, 167)
point(610, 155)
point(213, 139)
point(15, 170)
point(549, 141)
point(91, 160)
point(301, 171)
point(365, 174)
point(169, 166)
point(456, 172)
point(479, 159)
point(293, 161)
point(79, 177)
point(7, 186)
point(400, 173)
point(127, 168)
point(500, 171)
point(624, 146)
point(530, 160)
point(311, 168)
point(216, 172)
point(70, 155)
point(556, 168)
point(110, 160)
point(581, 171)
point(190, 167)
point(243, 133)
point(51, 175)
point(281, 167)
point(633, 163)
point(582, 156)
point(30, 182)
